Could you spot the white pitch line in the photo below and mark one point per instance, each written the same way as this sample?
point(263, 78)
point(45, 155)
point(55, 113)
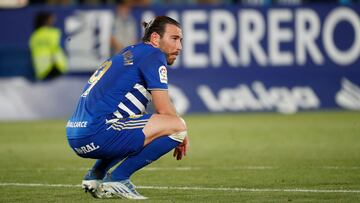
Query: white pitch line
point(209, 168)
point(193, 168)
point(233, 189)
point(251, 189)
point(341, 167)
point(38, 185)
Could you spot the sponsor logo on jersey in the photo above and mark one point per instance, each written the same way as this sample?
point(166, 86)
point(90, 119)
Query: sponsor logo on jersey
point(76, 124)
point(163, 74)
point(86, 148)
point(128, 58)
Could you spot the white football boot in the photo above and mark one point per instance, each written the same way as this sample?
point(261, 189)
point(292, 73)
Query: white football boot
point(91, 184)
point(123, 189)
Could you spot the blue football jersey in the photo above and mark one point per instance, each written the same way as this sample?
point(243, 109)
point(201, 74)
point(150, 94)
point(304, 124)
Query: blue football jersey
point(120, 88)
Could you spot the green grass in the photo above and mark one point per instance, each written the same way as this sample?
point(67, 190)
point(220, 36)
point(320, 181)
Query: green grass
point(313, 151)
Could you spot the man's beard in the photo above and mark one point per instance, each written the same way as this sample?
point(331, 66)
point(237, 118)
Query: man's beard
point(170, 61)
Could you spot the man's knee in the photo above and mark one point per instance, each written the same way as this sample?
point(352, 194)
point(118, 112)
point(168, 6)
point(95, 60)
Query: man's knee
point(178, 136)
point(180, 131)
point(181, 125)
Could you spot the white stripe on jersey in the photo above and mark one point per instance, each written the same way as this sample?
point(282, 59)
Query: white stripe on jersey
point(137, 106)
point(143, 91)
point(137, 121)
point(135, 101)
point(135, 124)
point(115, 128)
point(122, 123)
point(126, 128)
point(118, 114)
point(123, 126)
point(131, 123)
point(126, 109)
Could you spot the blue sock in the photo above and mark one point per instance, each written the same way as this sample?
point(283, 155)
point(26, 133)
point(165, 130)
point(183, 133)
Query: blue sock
point(148, 154)
point(101, 166)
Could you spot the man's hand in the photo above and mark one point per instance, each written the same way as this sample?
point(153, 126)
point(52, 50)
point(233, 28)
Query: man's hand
point(182, 149)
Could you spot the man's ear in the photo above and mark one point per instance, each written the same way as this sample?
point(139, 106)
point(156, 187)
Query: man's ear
point(155, 38)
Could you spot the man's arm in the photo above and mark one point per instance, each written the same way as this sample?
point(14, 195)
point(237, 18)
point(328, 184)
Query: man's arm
point(163, 105)
point(162, 102)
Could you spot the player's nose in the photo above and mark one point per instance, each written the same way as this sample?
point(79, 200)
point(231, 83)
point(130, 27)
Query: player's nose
point(179, 46)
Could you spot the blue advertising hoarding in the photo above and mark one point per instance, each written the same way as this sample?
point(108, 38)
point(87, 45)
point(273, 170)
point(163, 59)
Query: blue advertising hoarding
point(280, 59)
point(234, 59)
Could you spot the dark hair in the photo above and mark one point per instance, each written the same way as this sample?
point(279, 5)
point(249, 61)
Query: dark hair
point(157, 25)
point(41, 19)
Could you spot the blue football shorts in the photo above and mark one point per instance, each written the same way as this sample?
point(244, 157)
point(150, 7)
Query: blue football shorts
point(120, 139)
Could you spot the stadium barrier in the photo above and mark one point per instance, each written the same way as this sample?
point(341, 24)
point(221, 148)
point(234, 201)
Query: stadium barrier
point(234, 59)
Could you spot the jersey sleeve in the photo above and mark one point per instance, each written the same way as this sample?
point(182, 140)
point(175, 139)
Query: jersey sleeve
point(155, 72)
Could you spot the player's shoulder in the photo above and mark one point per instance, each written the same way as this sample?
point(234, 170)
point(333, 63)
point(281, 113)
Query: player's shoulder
point(148, 51)
point(140, 55)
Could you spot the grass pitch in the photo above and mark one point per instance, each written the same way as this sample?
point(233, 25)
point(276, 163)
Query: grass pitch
point(306, 157)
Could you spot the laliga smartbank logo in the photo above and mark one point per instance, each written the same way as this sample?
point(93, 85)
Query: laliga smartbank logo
point(257, 97)
point(348, 96)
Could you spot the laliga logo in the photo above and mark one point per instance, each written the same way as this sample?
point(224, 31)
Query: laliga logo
point(256, 97)
point(163, 74)
point(349, 95)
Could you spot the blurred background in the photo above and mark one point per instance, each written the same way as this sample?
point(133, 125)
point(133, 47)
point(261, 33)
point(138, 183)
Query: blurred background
point(280, 56)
